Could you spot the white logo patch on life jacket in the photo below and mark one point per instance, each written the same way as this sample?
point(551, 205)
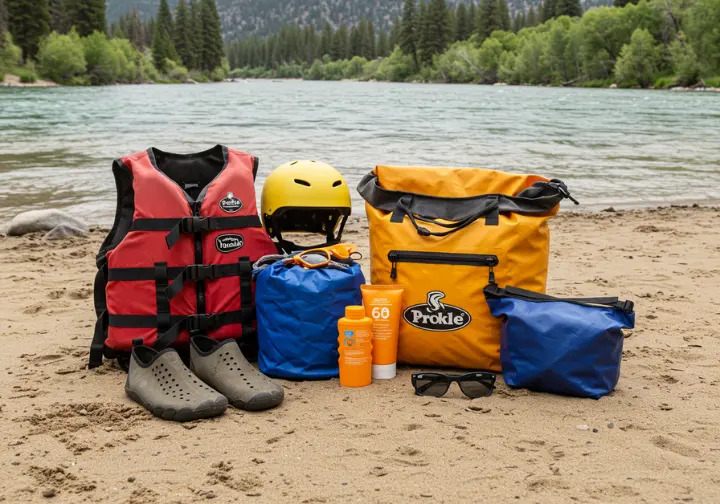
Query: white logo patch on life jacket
point(229, 242)
point(436, 316)
point(230, 203)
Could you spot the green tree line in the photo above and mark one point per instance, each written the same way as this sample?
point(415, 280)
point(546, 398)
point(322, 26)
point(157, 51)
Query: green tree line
point(645, 43)
point(425, 30)
point(68, 41)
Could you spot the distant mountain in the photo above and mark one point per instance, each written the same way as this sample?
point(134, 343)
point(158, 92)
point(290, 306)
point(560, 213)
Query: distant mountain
point(245, 17)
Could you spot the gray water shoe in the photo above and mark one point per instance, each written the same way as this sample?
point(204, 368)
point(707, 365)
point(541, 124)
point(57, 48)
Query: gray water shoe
point(161, 383)
point(223, 366)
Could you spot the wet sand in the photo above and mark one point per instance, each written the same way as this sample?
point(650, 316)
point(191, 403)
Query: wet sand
point(71, 435)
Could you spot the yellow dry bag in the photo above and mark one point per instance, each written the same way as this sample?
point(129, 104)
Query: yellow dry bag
point(444, 234)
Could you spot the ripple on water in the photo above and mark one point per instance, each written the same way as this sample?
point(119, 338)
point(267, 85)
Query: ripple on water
point(611, 146)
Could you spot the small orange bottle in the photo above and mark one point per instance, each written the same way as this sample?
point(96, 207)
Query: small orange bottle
point(355, 348)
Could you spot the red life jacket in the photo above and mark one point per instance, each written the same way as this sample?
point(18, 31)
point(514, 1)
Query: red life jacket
point(178, 259)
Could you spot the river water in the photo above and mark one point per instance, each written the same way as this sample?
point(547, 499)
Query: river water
point(611, 147)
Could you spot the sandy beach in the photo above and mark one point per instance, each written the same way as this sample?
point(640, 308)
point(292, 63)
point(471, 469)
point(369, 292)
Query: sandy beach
point(71, 435)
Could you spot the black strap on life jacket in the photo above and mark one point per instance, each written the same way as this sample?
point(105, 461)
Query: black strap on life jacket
point(194, 324)
point(194, 225)
point(162, 301)
point(100, 334)
point(245, 270)
point(201, 272)
point(170, 326)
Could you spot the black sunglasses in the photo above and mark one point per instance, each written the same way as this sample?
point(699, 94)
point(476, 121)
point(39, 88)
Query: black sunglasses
point(474, 385)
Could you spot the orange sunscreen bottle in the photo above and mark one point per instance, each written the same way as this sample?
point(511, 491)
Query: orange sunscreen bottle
point(355, 348)
point(383, 303)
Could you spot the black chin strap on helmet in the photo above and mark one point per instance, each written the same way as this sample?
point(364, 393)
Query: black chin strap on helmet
point(286, 246)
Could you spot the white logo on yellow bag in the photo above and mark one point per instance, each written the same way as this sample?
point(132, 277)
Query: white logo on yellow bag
point(436, 316)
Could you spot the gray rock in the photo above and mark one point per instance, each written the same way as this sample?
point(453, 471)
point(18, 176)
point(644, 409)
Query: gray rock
point(43, 220)
point(62, 232)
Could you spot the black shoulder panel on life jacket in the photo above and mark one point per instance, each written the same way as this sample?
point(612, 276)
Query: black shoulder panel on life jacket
point(124, 210)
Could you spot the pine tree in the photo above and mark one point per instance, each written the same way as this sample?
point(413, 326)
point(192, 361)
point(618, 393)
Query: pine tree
point(28, 22)
point(182, 36)
point(490, 17)
point(452, 25)
point(212, 43)
point(311, 44)
point(531, 18)
point(164, 17)
point(472, 17)
point(372, 48)
point(623, 3)
point(355, 42)
point(3, 23)
point(570, 8)
point(326, 40)
point(409, 36)
point(339, 49)
point(382, 44)
point(135, 30)
point(463, 28)
point(505, 20)
point(425, 34)
point(86, 16)
point(196, 32)
point(58, 15)
point(394, 37)
point(547, 11)
point(437, 29)
point(162, 47)
point(518, 22)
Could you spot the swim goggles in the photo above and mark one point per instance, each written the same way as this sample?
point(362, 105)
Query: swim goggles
point(321, 257)
point(474, 385)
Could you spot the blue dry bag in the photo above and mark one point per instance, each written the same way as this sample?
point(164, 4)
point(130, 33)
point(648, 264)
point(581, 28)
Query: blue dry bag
point(563, 346)
point(297, 314)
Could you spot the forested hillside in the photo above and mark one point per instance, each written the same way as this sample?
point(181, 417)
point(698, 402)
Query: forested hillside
point(260, 17)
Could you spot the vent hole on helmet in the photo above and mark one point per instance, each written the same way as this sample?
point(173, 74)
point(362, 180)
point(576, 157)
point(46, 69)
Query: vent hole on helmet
point(337, 183)
point(302, 182)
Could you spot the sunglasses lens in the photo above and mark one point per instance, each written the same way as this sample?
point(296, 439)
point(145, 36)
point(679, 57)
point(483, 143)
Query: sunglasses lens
point(431, 386)
point(475, 388)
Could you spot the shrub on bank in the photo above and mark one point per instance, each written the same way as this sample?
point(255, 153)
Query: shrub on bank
point(198, 76)
point(664, 82)
point(61, 57)
point(27, 76)
point(638, 61)
point(684, 63)
point(10, 54)
point(103, 66)
point(217, 75)
point(398, 67)
point(179, 73)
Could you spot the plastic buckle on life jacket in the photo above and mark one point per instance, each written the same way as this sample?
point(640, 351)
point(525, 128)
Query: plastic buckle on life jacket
point(193, 224)
point(200, 272)
point(197, 324)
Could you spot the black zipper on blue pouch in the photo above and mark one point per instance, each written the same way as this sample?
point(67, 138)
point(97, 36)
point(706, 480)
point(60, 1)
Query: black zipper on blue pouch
point(493, 290)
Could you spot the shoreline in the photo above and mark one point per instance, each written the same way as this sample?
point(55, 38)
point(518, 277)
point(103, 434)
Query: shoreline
point(13, 81)
point(74, 434)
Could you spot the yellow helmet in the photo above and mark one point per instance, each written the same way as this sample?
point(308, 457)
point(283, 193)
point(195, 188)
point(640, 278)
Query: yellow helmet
point(305, 196)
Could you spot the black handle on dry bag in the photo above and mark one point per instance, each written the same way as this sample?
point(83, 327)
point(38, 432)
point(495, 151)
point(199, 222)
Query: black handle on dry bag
point(491, 207)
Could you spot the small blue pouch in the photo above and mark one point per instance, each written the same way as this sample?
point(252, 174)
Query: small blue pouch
point(568, 346)
point(297, 314)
